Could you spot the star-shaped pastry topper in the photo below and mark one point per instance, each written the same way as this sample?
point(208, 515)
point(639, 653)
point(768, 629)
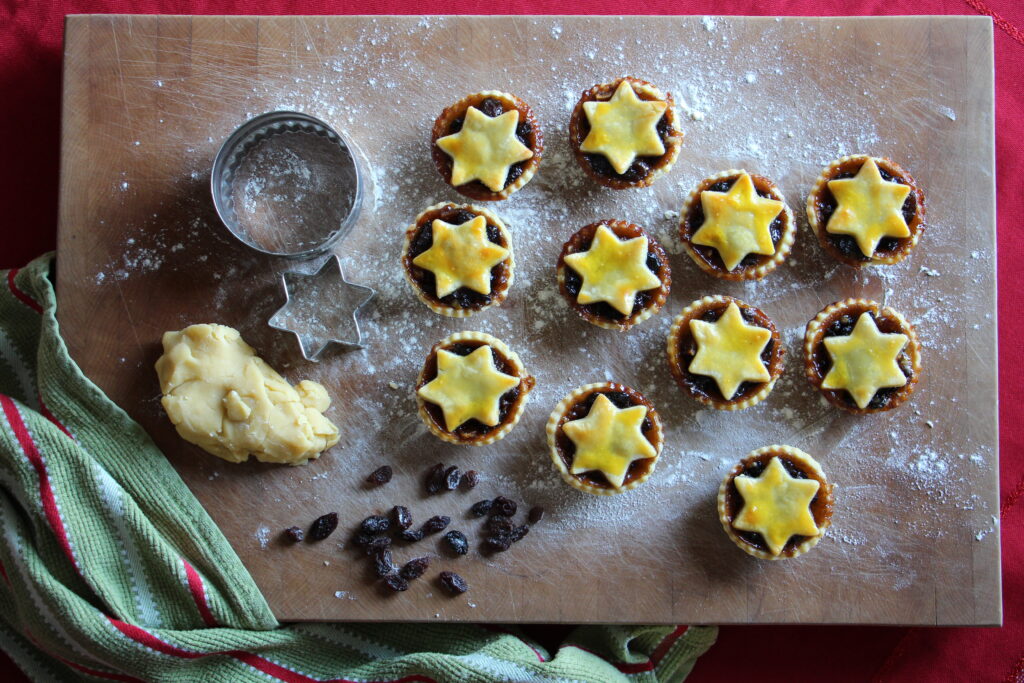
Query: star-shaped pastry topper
point(613, 270)
point(468, 387)
point(865, 361)
point(320, 309)
point(623, 128)
point(869, 208)
point(736, 223)
point(729, 350)
point(609, 439)
point(776, 505)
point(485, 148)
point(461, 256)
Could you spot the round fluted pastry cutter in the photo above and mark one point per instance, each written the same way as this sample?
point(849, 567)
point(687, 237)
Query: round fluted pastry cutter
point(287, 184)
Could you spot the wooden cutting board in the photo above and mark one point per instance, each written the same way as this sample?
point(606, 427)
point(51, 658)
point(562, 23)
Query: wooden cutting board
point(915, 540)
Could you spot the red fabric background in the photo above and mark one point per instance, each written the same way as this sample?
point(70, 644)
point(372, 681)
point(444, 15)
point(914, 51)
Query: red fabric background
point(30, 80)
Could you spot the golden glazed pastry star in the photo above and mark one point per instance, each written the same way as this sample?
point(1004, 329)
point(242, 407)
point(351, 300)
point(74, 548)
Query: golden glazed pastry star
point(485, 148)
point(608, 440)
point(468, 387)
point(729, 350)
point(461, 256)
point(869, 208)
point(776, 505)
point(865, 361)
point(736, 223)
point(613, 270)
point(623, 128)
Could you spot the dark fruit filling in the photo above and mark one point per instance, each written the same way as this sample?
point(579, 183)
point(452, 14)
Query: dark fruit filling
point(702, 385)
point(825, 205)
point(641, 166)
point(573, 282)
point(841, 325)
point(621, 397)
point(473, 428)
point(524, 133)
point(463, 297)
point(695, 219)
point(821, 506)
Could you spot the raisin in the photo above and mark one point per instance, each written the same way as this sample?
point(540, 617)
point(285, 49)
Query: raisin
point(435, 524)
point(294, 534)
point(323, 526)
point(519, 533)
point(453, 583)
point(457, 542)
point(536, 514)
point(469, 479)
point(382, 564)
point(411, 535)
point(363, 540)
point(434, 479)
point(481, 508)
point(451, 478)
point(500, 525)
point(381, 475)
point(377, 543)
point(375, 524)
point(504, 506)
point(401, 518)
point(462, 216)
point(491, 107)
point(396, 583)
point(498, 543)
point(414, 568)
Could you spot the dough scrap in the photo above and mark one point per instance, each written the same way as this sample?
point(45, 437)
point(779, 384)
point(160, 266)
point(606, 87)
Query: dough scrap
point(225, 399)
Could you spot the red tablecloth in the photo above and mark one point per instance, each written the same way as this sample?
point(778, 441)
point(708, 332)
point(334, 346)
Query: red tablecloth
point(30, 66)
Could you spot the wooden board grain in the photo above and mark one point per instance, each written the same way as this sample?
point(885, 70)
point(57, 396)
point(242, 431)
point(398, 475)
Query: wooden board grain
point(147, 100)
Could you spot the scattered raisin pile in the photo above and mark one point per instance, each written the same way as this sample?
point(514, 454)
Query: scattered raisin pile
point(376, 534)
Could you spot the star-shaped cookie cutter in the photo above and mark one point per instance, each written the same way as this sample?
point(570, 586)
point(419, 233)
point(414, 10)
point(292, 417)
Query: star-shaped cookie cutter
point(320, 309)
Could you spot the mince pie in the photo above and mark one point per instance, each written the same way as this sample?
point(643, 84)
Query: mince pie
point(864, 357)
point(472, 389)
point(725, 353)
point(458, 259)
point(776, 503)
point(605, 438)
point(613, 274)
point(487, 145)
point(736, 226)
point(625, 133)
point(866, 210)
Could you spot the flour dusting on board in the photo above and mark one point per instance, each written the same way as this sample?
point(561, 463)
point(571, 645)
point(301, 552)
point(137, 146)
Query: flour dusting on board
point(740, 109)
